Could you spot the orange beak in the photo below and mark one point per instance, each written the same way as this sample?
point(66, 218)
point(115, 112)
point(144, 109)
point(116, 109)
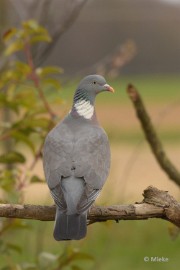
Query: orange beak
point(109, 88)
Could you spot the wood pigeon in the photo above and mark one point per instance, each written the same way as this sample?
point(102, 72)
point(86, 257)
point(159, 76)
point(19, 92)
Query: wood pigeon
point(76, 160)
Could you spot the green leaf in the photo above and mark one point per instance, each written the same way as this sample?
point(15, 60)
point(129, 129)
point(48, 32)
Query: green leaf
point(37, 123)
point(30, 124)
point(6, 185)
point(35, 32)
point(22, 68)
point(22, 138)
point(14, 247)
point(13, 105)
point(37, 110)
point(34, 26)
point(7, 180)
point(7, 248)
point(31, 24)
point(26, 97)
point(7, 103)
point(2, 99)
point(36, 179)
point(52, 82)
point(11, 77)
point(12, 157)
point(40, 38)
point(10, 33)
point(48, 70)
point(14, 47)
point(174, 231)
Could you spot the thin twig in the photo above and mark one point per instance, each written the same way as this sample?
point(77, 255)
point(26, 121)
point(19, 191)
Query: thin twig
point(152, 136)
point(33, 76)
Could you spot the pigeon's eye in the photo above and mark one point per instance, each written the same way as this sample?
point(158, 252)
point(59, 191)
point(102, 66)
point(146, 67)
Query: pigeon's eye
point(94, 82)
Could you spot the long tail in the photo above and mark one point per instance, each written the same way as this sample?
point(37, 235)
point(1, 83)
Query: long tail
point(69, 227)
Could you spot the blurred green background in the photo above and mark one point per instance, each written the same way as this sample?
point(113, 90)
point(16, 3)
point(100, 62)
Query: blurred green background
point(154, 71)
point(122, 245)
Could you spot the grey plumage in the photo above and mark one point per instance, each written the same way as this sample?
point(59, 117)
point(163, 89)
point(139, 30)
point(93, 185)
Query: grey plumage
point(76, 159)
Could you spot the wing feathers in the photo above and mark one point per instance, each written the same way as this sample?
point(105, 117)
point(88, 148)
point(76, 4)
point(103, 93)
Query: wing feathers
point(87, 199)
point(58, 197)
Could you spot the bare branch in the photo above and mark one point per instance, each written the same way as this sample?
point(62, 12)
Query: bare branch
point(56, 16)
point(156, 204)
point(35, 79)
point(60, 24)
point(152, 137)
point(112, 64)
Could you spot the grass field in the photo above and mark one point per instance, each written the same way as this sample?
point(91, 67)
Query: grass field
point(160, 94)
point(124, 245)
point(154, 88)
point(112, 246)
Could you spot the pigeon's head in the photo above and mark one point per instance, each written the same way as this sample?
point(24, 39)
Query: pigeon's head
point(94, 84)
point(85, 94)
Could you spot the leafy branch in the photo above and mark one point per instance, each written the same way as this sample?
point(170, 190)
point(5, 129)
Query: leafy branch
point(26, 93)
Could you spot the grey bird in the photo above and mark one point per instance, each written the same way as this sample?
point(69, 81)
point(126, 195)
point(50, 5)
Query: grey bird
point(76, 160)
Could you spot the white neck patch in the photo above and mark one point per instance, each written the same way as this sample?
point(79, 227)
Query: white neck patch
point(84, 108)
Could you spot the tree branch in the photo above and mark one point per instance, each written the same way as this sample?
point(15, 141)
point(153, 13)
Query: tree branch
point(156, 204)
point(35, 79)
point(56, 16)
point(152, 137)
